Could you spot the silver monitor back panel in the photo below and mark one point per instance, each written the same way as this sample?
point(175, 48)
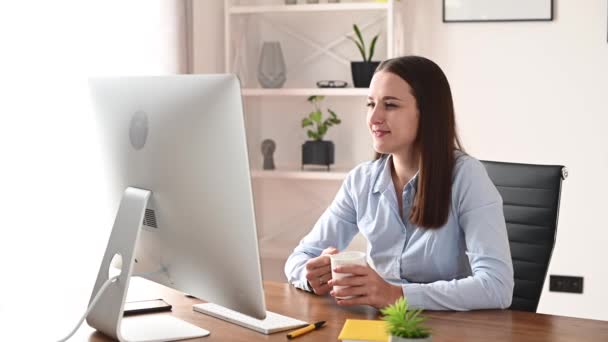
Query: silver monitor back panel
point(183, 138)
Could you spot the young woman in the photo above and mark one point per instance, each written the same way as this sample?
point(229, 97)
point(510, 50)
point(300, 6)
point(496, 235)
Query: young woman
point(432, 217)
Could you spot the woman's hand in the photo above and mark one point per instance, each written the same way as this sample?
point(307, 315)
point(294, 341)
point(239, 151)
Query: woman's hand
point(318, 271)
point(368, 287)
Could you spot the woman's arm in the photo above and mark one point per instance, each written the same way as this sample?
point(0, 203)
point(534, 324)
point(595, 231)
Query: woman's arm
point(480, 215)
point(335, 228)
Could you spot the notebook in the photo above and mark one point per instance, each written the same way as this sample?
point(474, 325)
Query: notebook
point(356, 330)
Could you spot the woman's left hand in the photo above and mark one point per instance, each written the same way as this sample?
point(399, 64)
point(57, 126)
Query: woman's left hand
point(368, 287)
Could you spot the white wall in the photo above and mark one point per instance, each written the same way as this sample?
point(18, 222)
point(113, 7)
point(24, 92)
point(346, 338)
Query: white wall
point(208, 36)
point(54, 210)
point(536, 93)
point(529, 92)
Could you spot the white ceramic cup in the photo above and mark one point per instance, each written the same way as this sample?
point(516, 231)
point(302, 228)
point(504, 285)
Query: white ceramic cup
point(345, 258)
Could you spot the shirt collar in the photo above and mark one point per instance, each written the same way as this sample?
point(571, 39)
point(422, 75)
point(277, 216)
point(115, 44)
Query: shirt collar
point(383, 176)
point(384, 179)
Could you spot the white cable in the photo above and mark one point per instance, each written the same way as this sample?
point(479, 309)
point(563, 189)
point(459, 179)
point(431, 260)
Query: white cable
point(93, 302)
point(102, 289)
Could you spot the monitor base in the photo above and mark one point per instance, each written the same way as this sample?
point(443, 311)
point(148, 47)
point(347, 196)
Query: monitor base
point(158, 327)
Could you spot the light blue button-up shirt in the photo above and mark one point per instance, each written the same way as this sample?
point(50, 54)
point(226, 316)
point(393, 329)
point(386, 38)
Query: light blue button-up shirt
point(464, 265)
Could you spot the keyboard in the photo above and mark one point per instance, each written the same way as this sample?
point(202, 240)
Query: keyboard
point(272, 323)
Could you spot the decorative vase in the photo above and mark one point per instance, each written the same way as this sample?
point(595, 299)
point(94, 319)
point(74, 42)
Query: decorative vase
point(363, 73)
point(271, 69)
point(404, 339)
point(318, 152)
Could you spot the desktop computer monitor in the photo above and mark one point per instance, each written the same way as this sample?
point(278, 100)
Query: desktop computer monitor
point(182, 139)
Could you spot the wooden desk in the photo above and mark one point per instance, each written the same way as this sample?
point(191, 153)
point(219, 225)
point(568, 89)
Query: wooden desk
point(486, 325)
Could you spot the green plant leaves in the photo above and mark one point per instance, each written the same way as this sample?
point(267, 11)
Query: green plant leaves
point(402, 322)
point(306, 122)
point(372, 48)
point(314, 136)
point(360, 47)
point(360, 37)
point(315, 98)
point(315, 118)
point(322, 130)
point(334, 117)
point(361, 44)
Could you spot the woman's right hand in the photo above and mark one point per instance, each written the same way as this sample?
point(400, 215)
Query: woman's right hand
point(318, 271)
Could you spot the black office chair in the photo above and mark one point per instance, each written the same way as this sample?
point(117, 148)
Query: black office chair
point(530, 195)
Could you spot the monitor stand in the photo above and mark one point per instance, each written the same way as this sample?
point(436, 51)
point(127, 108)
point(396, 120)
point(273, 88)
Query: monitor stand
point(107, 315)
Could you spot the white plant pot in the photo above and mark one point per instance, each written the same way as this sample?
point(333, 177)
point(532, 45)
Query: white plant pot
point(404, 339)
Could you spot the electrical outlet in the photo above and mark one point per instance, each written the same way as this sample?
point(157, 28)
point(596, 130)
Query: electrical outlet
point(566, 284)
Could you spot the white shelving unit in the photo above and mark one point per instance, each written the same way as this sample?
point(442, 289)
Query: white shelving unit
point(295, 173)
point(321, 7)
point(305, 91)
point(238, 12)
point(313, 38)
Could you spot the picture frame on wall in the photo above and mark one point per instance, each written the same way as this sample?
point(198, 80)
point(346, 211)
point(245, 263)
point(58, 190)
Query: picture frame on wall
point(458, 11)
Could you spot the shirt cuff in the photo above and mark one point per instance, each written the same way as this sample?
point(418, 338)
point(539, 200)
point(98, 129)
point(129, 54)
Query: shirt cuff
point(302, 285)
point(414, 293)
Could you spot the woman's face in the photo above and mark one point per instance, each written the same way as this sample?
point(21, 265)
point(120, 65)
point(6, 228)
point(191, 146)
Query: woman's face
point(392, 114)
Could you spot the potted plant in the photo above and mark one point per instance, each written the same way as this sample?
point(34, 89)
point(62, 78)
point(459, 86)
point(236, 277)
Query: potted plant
point(404, 324)
point(363, 71)
point(318, 151)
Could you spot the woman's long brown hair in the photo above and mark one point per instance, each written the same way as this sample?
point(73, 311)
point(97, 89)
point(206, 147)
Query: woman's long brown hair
point(436, 140)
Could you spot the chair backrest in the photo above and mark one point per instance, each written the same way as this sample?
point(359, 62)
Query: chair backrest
point(531, 195)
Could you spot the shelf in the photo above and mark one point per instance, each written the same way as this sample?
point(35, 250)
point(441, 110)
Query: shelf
point(334, 174)
point(305, 91)
point(327, 7)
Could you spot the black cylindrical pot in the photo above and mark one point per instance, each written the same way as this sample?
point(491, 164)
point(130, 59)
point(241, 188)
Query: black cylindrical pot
point(363, 73)
point(318, 152)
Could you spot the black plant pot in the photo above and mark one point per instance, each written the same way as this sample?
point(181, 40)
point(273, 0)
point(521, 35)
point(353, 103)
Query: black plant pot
point(362, 73)
point(318, 152)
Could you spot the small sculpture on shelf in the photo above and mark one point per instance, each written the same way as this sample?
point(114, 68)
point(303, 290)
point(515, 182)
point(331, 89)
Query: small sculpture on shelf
point(318, 151)
point(268, 148)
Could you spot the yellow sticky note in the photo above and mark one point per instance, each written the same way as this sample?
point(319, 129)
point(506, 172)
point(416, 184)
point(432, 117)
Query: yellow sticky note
point(364, 330)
